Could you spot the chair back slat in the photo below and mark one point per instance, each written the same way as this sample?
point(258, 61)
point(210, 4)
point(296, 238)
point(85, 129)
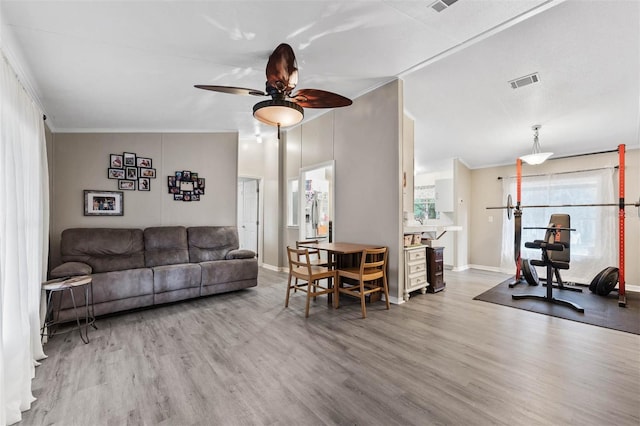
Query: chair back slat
point(373, 259)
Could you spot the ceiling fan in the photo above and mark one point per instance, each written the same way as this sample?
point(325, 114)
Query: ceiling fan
point(284, 109)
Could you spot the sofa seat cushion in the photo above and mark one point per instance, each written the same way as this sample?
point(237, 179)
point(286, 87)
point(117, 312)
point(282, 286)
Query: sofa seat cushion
point(176, 277)
point(225, 271)
point(208, 243)
point(113, 286)
point(165, 245)
point(117, 285)
point(104, 249)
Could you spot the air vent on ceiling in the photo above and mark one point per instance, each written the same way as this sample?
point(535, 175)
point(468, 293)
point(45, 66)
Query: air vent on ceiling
point(525, 81)
point(441, 5)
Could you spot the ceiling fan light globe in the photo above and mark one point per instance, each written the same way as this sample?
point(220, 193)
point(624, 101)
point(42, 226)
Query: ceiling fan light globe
point(278, 112)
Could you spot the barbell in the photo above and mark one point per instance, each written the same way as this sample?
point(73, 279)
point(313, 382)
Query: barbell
point(510, 207)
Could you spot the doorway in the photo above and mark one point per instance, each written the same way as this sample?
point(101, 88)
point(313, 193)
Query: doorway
point(248, 213)
point(316, 203)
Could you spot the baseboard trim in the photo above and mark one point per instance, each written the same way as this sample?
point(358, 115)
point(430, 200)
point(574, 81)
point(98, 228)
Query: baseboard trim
point(271, 267)
point(489, 268)
point(460, 268)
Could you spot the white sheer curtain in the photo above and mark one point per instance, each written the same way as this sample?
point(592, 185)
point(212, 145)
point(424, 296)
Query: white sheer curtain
point(594, 241)
point(24, 228)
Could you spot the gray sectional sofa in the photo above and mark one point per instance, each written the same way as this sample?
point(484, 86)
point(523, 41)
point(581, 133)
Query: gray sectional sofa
point(134, 268)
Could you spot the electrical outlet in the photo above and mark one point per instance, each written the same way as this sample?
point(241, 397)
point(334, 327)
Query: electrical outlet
point(490, 219)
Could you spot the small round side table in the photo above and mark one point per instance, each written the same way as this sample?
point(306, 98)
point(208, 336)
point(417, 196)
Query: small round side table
point(60, 285)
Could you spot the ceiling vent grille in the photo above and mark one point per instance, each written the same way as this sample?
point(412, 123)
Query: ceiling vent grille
point(441, 5)
point(525, 81)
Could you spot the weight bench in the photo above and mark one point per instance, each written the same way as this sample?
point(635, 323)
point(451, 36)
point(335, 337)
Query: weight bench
point(555, 256)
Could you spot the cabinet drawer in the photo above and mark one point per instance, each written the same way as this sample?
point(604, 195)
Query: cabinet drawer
point(417, 280)
point(416, 267)
point(437, 280)
point(416, 255)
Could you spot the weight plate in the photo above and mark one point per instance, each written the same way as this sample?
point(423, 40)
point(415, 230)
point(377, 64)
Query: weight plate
point(608, 282)
point(594, 282)
point(530, 273)
point(509, 207)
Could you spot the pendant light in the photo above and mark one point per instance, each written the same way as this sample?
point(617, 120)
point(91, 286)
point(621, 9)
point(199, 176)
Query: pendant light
point(536, 156)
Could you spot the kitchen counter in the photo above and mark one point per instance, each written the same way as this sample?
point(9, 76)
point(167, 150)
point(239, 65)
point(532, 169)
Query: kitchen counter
point(438, 230)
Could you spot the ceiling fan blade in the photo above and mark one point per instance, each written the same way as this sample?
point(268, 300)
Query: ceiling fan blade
point(282, 73)
point(232, 90)
point(314, 98)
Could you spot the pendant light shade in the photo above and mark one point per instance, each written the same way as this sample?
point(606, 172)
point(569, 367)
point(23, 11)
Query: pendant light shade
point(536, 156)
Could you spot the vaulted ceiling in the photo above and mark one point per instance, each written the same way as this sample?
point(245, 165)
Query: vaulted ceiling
point(131, 66)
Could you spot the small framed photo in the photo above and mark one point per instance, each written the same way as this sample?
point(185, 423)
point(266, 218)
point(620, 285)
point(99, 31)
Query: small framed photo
point(116, 174)
point(186, 197)
point(201, 183)
point(174, 190)
point(195, 197)
point(171, 181)
point(186, 175)
point(179, 175)
point(194, 177)
point(103, 203)
point(144, 184)
point(186, 186)
point(143, 162)
point(127, 185)
point(177, 197)
point(115, 161)
point(132, 173)
point(148, 173)
point(129, 159)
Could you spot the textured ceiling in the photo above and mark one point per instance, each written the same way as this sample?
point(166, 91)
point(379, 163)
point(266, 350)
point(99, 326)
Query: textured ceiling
point(131, 66)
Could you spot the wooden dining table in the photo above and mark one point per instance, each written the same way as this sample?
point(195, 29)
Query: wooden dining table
point(340, 254)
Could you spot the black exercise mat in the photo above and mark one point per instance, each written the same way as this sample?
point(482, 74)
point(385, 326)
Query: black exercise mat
point(602, 311)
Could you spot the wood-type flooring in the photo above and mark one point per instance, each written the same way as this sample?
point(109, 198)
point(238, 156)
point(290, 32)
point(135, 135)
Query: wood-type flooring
point(243, 359)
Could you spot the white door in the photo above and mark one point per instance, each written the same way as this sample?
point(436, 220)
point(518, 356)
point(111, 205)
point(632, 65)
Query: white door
point(248, 213)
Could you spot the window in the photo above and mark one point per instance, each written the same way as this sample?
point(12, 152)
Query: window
point(594, 241)
point(424, 203)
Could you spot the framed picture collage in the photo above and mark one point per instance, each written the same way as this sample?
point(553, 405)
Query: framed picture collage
point(131, 171)
point(186, 185)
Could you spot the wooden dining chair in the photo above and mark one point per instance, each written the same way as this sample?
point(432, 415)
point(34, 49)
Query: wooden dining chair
point(364, 279)
point(314, 254)
point(301, 269)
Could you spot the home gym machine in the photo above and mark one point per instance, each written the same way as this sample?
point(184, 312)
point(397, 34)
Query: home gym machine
point(604, 281)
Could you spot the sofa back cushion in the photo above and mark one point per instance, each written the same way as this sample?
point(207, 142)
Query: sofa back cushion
point(211, 242)
point(165, 245)
point(104, 249)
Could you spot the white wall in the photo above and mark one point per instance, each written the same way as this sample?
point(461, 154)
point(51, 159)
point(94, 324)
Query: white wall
point(80, 161)
point(462, 200)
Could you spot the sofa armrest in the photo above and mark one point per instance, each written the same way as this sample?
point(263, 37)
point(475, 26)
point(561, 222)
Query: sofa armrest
point(240, 254)
point(69, 269)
